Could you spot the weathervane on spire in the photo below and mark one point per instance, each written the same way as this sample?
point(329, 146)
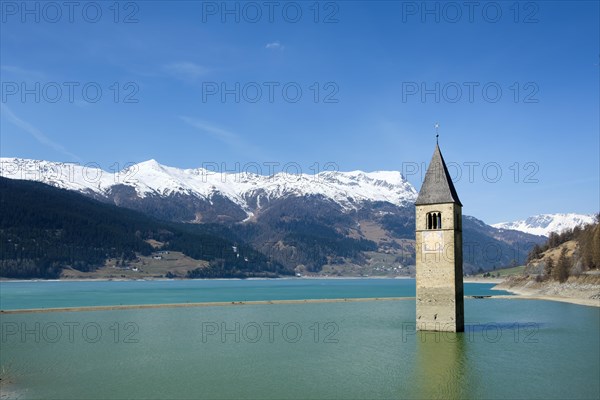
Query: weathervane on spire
point(437, 135)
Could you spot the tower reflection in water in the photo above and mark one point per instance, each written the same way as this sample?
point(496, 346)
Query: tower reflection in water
point(441, 366)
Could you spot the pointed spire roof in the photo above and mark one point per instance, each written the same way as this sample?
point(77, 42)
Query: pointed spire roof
point(437, 187)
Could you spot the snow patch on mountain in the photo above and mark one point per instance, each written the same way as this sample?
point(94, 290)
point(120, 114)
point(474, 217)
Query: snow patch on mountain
point(543, 224)
point(150, 178)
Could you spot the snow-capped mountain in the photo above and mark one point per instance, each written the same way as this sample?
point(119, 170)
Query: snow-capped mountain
point(247, 190)
point(310, 220)
point(543, 224)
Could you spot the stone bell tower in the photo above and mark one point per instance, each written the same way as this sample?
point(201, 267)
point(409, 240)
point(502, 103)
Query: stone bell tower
point(440, 303)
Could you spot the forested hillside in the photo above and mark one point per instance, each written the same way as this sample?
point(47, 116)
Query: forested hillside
point(571, 252)
point(44, 229)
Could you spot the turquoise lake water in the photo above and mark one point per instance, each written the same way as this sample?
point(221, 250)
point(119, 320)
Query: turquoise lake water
point(52, 294)
point(512, 349)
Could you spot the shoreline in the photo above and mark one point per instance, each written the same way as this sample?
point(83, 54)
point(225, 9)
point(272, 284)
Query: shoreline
point(518, 295)
point(580, 290)
point(471, 279)
point(526, 294)
point(4, 280)
point(477, 279)
point(202, 304)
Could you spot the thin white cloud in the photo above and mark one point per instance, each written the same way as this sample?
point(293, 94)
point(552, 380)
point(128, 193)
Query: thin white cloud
point(229, 138)
point(22, 72)
point(187, 71)
point(33, 131)
point(275, 46)
point(221, 134)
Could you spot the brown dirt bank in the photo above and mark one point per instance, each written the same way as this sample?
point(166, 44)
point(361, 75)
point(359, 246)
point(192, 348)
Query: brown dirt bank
point(582, 289)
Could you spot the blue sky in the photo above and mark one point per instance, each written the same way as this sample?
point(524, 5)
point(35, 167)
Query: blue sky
point(514, 87)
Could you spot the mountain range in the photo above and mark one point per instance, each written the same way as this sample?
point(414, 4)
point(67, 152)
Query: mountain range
point(246, 191)
point(331, 221)
point(544, 224)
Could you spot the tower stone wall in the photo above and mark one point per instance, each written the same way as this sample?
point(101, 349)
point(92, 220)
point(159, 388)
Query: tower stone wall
point(439, 255)
point(439, 269)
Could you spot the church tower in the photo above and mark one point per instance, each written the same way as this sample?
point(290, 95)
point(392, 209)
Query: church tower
point(440, 303)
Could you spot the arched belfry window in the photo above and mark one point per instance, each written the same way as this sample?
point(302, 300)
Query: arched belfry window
point(434, 220)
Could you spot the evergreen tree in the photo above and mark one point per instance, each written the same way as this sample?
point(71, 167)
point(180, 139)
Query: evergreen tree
point(589, 245)
point(549, 266)
point(561, 272)
point(595, 247)
point(553, 240)
point(535, 253)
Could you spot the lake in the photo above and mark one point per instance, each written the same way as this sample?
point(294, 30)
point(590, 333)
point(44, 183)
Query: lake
point(55, 294)
point(511, 348)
